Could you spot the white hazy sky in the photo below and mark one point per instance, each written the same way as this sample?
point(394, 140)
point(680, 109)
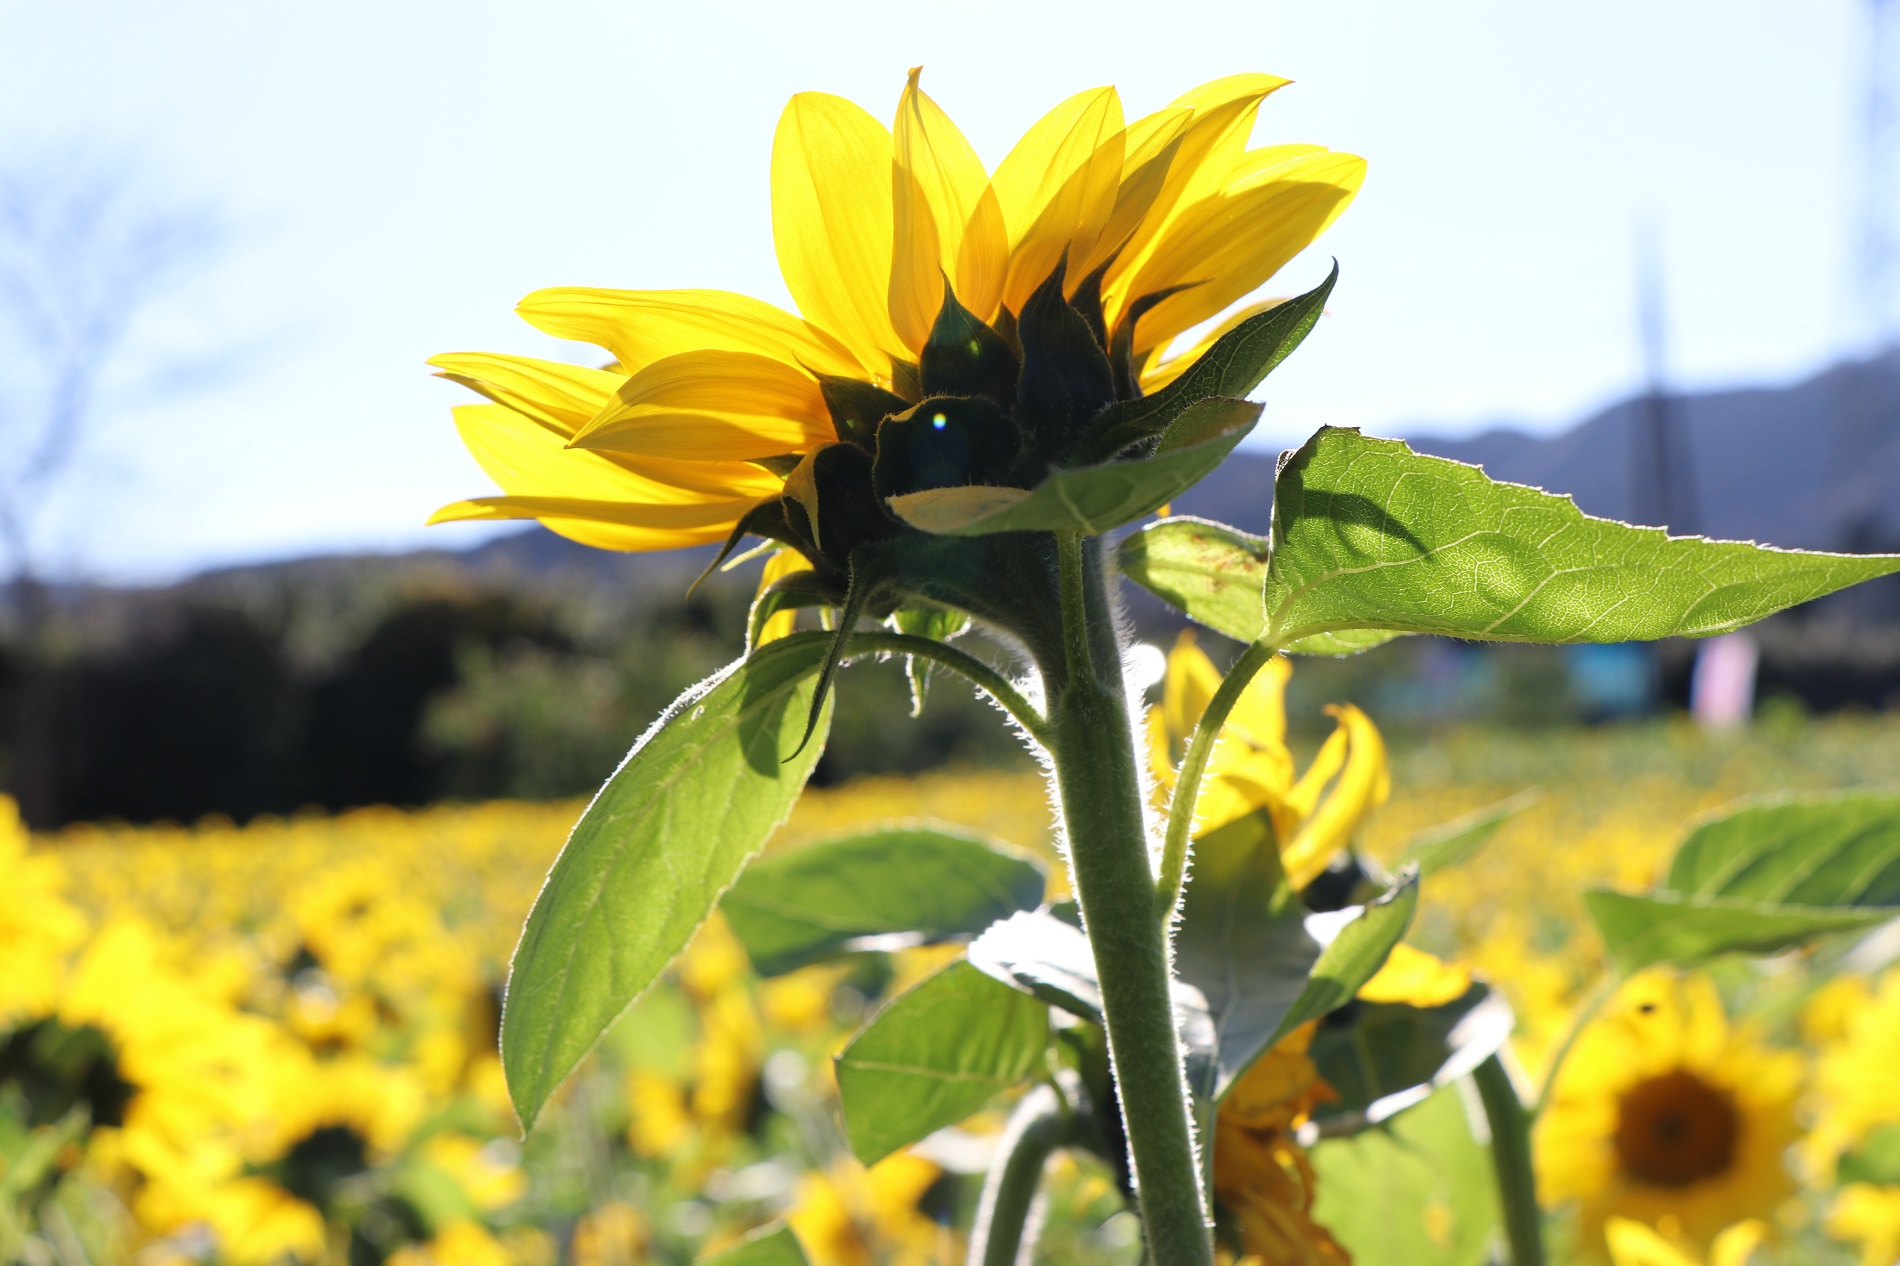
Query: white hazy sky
point(400, 173)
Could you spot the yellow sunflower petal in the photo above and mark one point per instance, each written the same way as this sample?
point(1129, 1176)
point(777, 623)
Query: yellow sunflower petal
point(1736, 1244)
point(619, 525)
point(558, 396)
point(527, 459)
point(831, 221)
point(1057, 187)
point(1229, 244)
point(941, 199)
point(1415, 977)
point(642, 326)
point(782, 623)
point(1190, 683)
point(1149, 149)
point(1223, 119)
point(1633, 1244)
point(712, 405)
point(1363, 785)
point(1259, 714)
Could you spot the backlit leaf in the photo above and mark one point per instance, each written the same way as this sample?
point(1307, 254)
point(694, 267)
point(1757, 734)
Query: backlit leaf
point(644, 866)
point(1370, 535)
point(1762, 879)
point(1354, 954)
point(906, 884)
point(1447, 845)
point(1091, 499)
point(1436, 1203)
point(1382, 1057)
point(936, 1054)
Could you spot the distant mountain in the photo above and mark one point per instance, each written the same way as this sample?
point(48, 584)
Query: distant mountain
point(1812, 465)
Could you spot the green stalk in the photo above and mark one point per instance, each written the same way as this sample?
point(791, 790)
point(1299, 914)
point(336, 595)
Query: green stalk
point(1092, 746)
point(1038, 1126)
point(1187, 783)
point(1511, 1159)
point(975, 671)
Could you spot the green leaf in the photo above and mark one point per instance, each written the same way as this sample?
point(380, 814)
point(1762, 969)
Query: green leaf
point(1830, 850)
point(1370, 535)
point(1451, 843)
point(1875, 1158)
point(1213, 573)
point(1046, 957)
point(1354, 954)
point(1091, 499)
point(1436, 1204)
point(1237, 363)
point(921, 883)
point(771, 1245)
point(693, 801)
point(1761, 879)
point(939, 624)
point(1383, 1057)
point(1243, 944)
point(1668, 927)
point(936, 1054)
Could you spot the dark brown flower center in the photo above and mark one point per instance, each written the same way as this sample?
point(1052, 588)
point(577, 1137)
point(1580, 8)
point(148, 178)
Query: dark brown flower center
point(1675, 1130)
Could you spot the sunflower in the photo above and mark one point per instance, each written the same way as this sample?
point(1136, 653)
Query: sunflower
point(38, 928)
point(1633, 1244)
point(1251, 771)
point(957, 325)
point(1263, 1181)
point(1855, 1024)
point(1667, 1115)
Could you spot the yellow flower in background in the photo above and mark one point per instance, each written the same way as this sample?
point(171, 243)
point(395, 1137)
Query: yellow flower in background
point(1633, 1244)
point(715, 403)
point(1412, 976)
point(38, 928)
point(1666, 1114)
point(460, 1243)
point(612, 1235)
point(1855, 1026)
point(853, 1216)
point(1868, 1216)
point(1251, 772)
point(1262, 1177)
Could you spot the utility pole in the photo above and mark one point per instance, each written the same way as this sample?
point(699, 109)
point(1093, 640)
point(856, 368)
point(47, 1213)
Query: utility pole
point(1662, 488)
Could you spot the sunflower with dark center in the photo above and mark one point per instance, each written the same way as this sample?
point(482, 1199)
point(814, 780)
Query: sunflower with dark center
point(961, 329)
point(1667, 1115)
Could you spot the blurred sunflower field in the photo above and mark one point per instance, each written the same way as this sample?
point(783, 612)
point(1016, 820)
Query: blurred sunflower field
point(277, 1043)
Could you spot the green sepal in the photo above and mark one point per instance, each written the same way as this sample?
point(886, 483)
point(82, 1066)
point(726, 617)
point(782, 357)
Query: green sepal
point(965, 357)
point(945, 442)
point(1121, 347)
point(936, 1054)
point(886, 888)
point(1091, 499)
point(857, 593)
point(796, 591)
point(1087, 302)
point(1237, 363)
point(766, 519)
point(781, 465)
point(1065, 376)
point(858, 408)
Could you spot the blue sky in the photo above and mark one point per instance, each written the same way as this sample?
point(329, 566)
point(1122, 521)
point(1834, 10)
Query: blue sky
point(398, 174)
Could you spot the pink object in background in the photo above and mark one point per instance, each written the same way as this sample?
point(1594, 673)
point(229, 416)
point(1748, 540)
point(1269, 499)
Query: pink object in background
point(1722, 687)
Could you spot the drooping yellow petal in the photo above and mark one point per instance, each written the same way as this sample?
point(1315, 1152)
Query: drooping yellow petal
point(1259, 715)
point(642, 326)
point(1230, 244)
point(944, 210)
point(831, 221)
point(1190, 683)
point(781, 623)
point(1223, 119)
point(1057, 187)
point(1159, 375)
point(1363, 786)
point(560, 397)
point(711, 405)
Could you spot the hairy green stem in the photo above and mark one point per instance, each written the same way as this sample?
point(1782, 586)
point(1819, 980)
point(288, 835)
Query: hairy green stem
point(981, 675)
point(1038, 1126)
point(1187, 783)
point(1511, 1159)
point(1092, 745)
